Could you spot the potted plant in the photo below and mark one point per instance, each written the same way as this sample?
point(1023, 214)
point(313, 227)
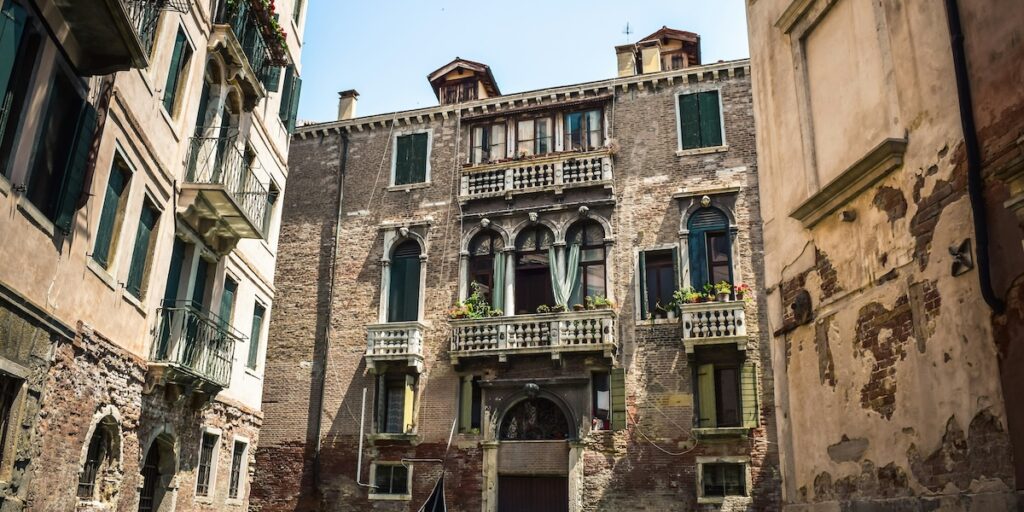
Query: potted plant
point(709, 292)
point(558, 308)
point(578, 307)
point(495, 312)
point(588, 302)
point(741, 291)
point(723, 289)
point(458, 311)
point(602, 302)
point(543, 308)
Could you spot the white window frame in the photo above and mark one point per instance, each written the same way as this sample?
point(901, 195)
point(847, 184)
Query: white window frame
point(636, 271)
point(390, 497)
point(212, 484)
point(394, 158)
point(724, 146)
point(725, 459)
point(243, 471)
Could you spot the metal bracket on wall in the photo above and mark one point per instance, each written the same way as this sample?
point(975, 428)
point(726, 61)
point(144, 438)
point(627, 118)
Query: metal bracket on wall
point(963, 260)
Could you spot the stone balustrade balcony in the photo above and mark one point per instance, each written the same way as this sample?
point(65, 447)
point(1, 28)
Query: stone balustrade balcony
point(714, 323)
point(554, 172)
point(395, 341)
point(547, 333)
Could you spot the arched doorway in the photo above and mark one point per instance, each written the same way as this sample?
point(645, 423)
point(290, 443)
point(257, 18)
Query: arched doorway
point(533, 457)
point(158, 470)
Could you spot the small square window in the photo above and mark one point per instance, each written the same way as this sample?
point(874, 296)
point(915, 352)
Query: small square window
point(720, 479)
point(391, 479)
point(700, 120)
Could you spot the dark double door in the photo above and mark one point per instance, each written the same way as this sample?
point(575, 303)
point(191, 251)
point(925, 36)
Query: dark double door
point(533, 493)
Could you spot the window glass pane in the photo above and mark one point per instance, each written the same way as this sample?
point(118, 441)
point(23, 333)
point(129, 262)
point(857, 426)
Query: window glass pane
point(543, 134)
point(591, 255)
point(524, 138)
point(497, 142)
point(595, 280)
point(718, 245)
point(478, 144)
point(257, 332)
point(727, 396)
point(601, 402)
point(395, 406)
point(594, 138)
point(205, 464)
point(573, 131)
point(234, 482)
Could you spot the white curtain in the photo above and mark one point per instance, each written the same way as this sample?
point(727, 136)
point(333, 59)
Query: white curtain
point(564, 274)
point(498, 288)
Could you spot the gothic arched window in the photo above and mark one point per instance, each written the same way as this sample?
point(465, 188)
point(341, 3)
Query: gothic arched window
point(534, 419)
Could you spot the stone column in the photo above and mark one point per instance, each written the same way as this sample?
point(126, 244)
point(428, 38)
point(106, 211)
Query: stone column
point(510, 281)
point(575, 476)
point(463, 275)
point(490, 483)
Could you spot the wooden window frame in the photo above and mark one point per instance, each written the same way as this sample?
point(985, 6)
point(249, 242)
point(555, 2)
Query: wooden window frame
point(394, 185)
point(205, 491)
point(487, 152)
point(702, 148)
point(375, 469)
point(535, 138)
point(587, 130)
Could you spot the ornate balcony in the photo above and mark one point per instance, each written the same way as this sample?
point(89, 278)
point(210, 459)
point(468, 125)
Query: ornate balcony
point(548, 333)
point(396, 341)
point(104, 36)
point(193, 350)
point(240, 35)
point(220, 196)
point(555, 172)
point(714, 323)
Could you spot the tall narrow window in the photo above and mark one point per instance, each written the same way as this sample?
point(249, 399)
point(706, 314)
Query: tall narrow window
point(20, 43)
point(700, 120)
point(10, 388)
point(395, 399)
point(601, 398)
point(533, 269)
point(726, 389)
point(404, 290)
point(470, 404)
point(143, 247)
point(235, 479)
point(176, 74)
point(484, 263)
point(112, 214)
point(658, 269)
point(152, 493)
point(297, 10)
point(227, 302)
point(534, 136)
point(289, 108)
point(589, 236)
point(583, 130)
point(411, 157)
point(488, 143)
point(273, 194)
point(98, 459)
point(710, 247)
point(258, 312)
point(204, 471)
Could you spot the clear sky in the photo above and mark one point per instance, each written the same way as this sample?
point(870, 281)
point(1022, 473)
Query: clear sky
point(386, 48)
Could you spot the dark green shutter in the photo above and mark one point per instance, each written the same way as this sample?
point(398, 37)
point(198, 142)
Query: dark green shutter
point(618, 391)
point(199, 286)
point(174, 272)
point(698, 260)
point(748, 394)
point(108, 216)
point(227, 302)
point(418, 158)
point(137, 271)
point(272, 80)
point(12, 25)
point(642, 277)
point(676, 269)
point(174, 72)
point(254, 340)
point(403, 159)
point(465, 403)
point(293, 103)
point(710, 119)
point(689, 121)
point(286, 91)
point(74, 173)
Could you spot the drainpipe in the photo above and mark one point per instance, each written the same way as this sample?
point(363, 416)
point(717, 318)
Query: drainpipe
point(318, 421)
point(974, 180)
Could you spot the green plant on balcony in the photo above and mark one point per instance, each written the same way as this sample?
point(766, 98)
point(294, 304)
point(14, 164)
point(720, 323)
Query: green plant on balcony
point(602, 302)
point(723, 289)
point(264, 13)
point(543, 308)
point(685, 296)
point(474, 307)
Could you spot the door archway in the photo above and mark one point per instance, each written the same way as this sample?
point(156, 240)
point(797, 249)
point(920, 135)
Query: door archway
point(533, 457)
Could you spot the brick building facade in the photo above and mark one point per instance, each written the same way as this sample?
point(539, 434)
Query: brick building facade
point(630, 188)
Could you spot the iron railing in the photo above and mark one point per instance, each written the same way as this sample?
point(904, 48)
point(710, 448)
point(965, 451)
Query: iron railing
point(217, 161)
point(197, 343)
point(144, 15)
point(239, 16)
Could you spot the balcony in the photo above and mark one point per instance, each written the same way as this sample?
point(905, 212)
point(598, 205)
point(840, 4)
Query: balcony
point(241, 37)
point(555, 173)
point(714, 323)
point(104, 36)
point(395, 342)
point(220, 196)
point(192, 350)
point(548, 333)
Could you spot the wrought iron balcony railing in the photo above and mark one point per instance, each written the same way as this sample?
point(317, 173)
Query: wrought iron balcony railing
point(396, 341)
point(195, 345)
point(709, 323)
point(547, 333)
point(549, 172)
point(247, 31)
point(233, 193)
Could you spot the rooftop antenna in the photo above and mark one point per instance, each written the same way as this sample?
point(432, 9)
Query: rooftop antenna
point(627, 31)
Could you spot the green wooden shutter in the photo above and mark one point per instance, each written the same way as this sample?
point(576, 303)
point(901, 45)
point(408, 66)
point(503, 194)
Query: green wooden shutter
point(710, 119)
point(108, 216)
point(286, 90)
point(174, 72)
point(465, 403)
point(395, 290)
point(227, 302)
point(748, 394)
point(382, 403)
point(254, 339)
point(689, 121)
point(642, 277)
point(706, 406)
point(293, 103)
point(12, 25)
point(698, 260)
point(174, 272)
point(618, 392)
point(418, 158)
point(677, 269)
point(403, 151)
point(199, 286)
point(408, 399)
point(272, 80)
point(137, 271)
point(74, 172)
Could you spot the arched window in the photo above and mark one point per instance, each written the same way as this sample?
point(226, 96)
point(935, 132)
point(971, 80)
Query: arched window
point(534, 420)
point(404, 291)
point(533, 269)
point(589, 235)
point(100, 459)
point(157, 472)
point(710, 247)
point(482, 268)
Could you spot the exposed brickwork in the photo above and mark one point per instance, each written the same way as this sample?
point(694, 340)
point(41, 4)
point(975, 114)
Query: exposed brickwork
point(826, 365)
point(827, 273)
point(890, 201)
point(879, 394)
point(962, 458)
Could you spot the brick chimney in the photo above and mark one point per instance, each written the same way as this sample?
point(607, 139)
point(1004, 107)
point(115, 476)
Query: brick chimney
point(347, 104)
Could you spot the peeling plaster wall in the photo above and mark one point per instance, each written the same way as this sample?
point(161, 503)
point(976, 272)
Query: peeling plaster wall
point(886, 365)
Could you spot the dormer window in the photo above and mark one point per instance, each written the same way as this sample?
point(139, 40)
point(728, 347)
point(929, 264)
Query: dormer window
point(458, 92)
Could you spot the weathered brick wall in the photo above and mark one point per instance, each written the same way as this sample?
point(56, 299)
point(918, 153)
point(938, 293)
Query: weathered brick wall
point(621, 470)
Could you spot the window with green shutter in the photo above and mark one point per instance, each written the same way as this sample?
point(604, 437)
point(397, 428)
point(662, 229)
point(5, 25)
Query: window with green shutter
point(143, 246)
point(411, 158)
point(618, 391)
point(288, 110)
point(470, 404)
point(227, 302)
point(180, 59)
point(726, 389)
point(258, 312)
point(112, 212)
point(404, 290)
point(700, 120)
point(20, 43)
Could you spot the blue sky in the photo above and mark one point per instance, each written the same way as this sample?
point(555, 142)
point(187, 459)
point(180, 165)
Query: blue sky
point(385, 49)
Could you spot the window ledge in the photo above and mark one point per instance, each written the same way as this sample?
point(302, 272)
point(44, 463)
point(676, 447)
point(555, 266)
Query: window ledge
point(253, 372)
point(204, 499)
point(702, 151)
point(101, 272)
point(391, 497)
point(234, 501)
point(408, 187)
point(658, 321)
point(5, 186)
point(37, 217)
point(134, 301)
point(393, 438)
point(169, 119)
point(710, 432)
point(722, 499)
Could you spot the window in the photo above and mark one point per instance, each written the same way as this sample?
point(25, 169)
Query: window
point(288, 110)
point(390, 479)
point(20, 43)
point(723, 479)
point(395, 396)
point(487, 267)
point(258, 313)
point(404, 289)
point(726, 389)
point(10, 389)
point(488, 143)
point(700, 120)
point(273, 194)
point(601, 401)
point(589, 238)
point(465, 90)
point(297, 11)
point(658, 269)
point(99, 459)
point(534, 136)
point(143, 247)
point(411, 159)
point(470, 403)
point(227, 302)
point(112, 214)
point(710, 247)
point(533, 269)
point(235, 479)
point(204, 472)
point(180, 60)
point(583, 130)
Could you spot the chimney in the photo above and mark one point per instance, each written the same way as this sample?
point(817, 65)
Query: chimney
point(347, 104)
point(650, 56)
point(626, 56)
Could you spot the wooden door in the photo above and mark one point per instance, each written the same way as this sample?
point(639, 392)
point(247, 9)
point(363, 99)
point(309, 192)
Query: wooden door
point(533, 493)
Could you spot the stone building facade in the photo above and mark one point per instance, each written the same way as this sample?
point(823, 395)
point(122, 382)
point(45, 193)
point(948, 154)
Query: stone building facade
point(142, 147)
point(890, 158)
point(541, 199)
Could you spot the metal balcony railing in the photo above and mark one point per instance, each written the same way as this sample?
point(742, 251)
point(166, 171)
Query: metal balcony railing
point(144, 15)
point(239, 16)
point(553, 333)
point(396, 341)
point(217, 161)
point(549, 172)
point(195, 343)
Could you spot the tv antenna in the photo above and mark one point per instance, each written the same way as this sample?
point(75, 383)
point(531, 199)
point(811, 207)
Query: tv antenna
point(627, 31)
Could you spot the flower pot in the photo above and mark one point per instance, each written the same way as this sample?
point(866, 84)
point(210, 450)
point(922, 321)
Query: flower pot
point(723, 296)
point(740, 295)
point(603, 306)
point(671, 314)
point(577, 307)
